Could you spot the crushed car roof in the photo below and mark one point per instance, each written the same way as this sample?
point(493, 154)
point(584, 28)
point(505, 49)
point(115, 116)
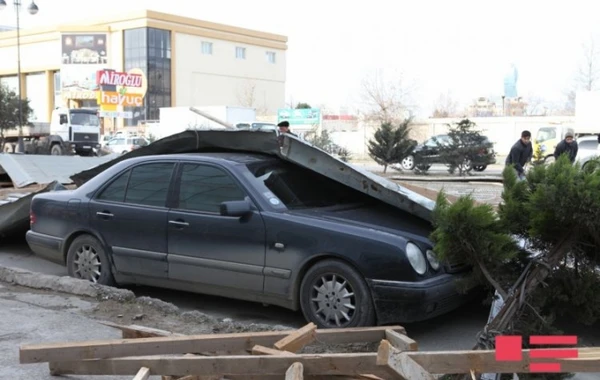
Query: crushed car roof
point(293, 150)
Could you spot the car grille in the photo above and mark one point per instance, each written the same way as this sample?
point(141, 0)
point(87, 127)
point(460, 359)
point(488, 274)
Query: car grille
point(454, 267)
point(85, 137)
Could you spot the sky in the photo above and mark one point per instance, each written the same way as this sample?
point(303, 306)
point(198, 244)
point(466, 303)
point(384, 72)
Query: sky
point(461, 47)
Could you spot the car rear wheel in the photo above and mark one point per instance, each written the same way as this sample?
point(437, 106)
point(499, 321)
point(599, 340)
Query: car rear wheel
point(87, 260)
point(334, 295)
point(479, 168)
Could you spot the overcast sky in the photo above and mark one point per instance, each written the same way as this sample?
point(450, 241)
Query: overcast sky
point(462, 46)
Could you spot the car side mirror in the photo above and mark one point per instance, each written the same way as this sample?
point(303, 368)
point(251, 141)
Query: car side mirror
point(236, 208)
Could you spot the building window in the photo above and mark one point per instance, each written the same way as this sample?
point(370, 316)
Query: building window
point(207, 48)
point(271, 57)
point(149, 49)
point(240, 52)
point(57, 86)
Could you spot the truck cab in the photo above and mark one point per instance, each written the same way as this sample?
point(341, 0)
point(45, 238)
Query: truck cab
point(77, 128)
point(547, 138)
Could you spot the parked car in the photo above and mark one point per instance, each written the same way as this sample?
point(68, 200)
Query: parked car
point(588, 149)
point(125, 144)
point(252, 227)
point(428, 153)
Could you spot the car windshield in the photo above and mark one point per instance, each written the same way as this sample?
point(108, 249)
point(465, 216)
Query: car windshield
point(84, 119)
point(545, 134)
point(300, 188)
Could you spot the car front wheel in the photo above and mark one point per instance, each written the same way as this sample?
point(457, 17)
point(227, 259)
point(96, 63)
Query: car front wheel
point(334, 295)
point(408, 163)
point(87, 260)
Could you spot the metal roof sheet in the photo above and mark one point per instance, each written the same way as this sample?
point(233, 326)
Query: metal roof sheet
point(28, 169)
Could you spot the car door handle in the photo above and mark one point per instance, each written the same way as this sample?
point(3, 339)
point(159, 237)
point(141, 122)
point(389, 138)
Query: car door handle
point(104, 214)
point(179, 223)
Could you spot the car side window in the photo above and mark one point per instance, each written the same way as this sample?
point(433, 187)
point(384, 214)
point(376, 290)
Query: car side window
point(115, 192)
point(203, 188)
point(149, 184)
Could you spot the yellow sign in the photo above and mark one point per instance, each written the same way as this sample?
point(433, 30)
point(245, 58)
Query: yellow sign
point(123, 99)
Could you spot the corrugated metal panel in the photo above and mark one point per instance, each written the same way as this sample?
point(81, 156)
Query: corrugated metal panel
point(25, 169)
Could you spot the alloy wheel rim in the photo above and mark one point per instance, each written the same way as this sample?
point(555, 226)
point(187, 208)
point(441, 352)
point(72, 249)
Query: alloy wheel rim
point(407, 162)
point(87, 263)
point(333, 300)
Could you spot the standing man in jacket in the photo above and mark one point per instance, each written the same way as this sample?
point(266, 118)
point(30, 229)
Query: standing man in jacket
point(569, 146)
point(520, 154)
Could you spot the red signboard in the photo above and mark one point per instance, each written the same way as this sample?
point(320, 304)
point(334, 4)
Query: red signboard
point(114, 78)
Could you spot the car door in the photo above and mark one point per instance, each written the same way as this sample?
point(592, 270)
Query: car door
point(205, 247)
point(130, 214)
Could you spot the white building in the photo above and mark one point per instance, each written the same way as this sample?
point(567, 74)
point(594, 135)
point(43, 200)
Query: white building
point(186, 62)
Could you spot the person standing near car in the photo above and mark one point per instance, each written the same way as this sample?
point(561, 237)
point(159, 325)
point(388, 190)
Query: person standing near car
point(520, 154)
point(284, 127)
point(569, 146)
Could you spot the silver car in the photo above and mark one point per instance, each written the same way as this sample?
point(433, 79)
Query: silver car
point(589, 148)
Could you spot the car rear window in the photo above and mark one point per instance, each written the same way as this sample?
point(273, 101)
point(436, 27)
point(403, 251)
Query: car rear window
point(300, 188)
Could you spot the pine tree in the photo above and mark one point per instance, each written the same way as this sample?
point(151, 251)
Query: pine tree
point(465, 144)
point(557, 212)
point(390, 144)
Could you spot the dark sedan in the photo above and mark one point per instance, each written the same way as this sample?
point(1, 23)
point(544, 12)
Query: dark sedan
point(251, 227)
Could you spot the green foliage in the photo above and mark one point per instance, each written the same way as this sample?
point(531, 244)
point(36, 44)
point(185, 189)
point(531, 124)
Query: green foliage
point(9, 109)
point(538, 156)
point(464, 147)
point(390, 144)
point(557, 205)
point(303, 106)
point(345, 154)
point(321, 140)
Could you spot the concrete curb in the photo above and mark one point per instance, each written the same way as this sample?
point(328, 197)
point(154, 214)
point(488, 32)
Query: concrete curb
point(63, 284)
point(425, 178)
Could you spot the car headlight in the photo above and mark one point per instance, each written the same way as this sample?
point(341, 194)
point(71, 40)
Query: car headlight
point(416, 258)
point(433, 261)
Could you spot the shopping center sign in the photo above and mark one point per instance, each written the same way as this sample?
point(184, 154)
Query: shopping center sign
point(120, 89)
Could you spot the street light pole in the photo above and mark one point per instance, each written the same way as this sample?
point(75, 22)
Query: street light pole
point(32, 9)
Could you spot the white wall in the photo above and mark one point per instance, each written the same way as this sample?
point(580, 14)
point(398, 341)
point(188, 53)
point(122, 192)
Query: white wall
point(33, 56)
point(37, 93)
point(220, 78)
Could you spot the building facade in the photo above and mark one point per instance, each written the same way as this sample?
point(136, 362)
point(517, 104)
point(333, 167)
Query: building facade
point(185, 62)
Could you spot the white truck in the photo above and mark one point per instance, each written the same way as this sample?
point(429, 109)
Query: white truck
point(587, 122)
point(178, 119)
point(70, 131)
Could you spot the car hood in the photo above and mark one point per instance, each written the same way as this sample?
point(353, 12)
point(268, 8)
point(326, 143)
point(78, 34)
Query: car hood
point(374, 217)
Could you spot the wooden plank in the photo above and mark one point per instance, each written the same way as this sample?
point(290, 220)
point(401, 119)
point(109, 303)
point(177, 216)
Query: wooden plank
point(143, 374)
point(298, 339)
point(323, 364)
point(295, 372)
point(401, 365)
point(262, 350)
point(435, 362)
point(401, 341)
point(136, 331)
point(114, 348)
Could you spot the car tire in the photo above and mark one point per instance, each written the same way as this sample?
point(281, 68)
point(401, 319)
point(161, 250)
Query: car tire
point(56, 150)
point(321, 285)
point(479, 168)
point(549, 160)
point(408, 162)
point(85, 257)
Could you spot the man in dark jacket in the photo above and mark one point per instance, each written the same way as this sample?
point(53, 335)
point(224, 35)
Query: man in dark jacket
point(568, 146)
point(284, 127)
point(520, 154)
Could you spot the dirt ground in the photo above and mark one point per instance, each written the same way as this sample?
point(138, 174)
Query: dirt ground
point(152, 312)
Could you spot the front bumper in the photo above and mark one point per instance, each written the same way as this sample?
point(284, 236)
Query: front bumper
point(405, 302)
point(46, 246)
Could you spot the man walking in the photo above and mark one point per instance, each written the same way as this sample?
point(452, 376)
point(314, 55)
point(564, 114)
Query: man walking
point(520, 154)
point(284, 127)
point(568, 146)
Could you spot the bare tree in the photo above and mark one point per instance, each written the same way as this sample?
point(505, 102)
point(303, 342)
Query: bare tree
point(386, 100)
point(445, 106)
point(247, 97)
point(588, 73)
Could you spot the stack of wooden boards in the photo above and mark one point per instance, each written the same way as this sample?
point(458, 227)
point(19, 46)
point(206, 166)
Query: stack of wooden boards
point(273, 355)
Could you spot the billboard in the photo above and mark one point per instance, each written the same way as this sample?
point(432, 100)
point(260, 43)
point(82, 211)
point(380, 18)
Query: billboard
point(120, 90)
point(302, 116)
point(82, 55)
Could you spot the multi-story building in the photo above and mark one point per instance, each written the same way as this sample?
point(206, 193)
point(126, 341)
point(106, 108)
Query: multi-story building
point(184, 61)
